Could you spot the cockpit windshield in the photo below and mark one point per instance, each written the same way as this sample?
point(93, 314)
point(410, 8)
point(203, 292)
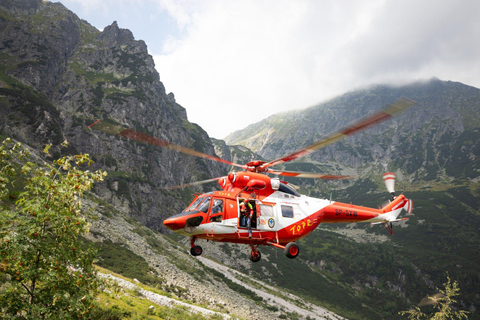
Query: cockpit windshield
point(194, 204)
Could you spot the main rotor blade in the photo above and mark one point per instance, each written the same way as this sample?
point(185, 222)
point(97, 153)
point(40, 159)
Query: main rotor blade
point(142, 137)
point(193, 183)
point(387, 113)
point(298, 174)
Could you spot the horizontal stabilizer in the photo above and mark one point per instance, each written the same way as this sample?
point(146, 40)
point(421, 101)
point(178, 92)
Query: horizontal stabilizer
point(388, 221)
point(388, 224)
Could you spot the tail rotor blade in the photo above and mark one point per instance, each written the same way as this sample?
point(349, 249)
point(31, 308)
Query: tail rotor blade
point(389, 179)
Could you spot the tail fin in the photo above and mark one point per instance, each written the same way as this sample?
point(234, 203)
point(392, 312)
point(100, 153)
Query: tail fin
point(392, 210)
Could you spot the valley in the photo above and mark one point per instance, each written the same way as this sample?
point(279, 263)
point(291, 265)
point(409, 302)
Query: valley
point(59, 75)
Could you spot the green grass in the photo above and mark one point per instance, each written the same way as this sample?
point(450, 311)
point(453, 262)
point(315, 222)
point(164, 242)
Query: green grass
point(118, 258)
point(117, 303)
point(91, 76)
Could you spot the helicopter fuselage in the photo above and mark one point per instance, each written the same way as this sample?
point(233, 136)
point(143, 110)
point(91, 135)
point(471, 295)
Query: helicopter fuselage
point(280, 214)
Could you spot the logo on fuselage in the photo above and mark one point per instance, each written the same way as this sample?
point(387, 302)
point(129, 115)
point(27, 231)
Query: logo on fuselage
point(271, 223)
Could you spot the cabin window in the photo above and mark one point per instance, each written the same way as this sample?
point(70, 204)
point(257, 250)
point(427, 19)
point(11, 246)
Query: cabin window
point(287, 211)
point(204, 205)
point(266, 210)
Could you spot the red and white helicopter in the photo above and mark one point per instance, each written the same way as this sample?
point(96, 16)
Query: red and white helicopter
point(279, 214)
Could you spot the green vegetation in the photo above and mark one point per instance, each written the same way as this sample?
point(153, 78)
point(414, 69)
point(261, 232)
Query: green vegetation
point(390, 276)
point(119, 259)
point(93, 77)
point(119, 303)
point(44, 273)
point(443, 302)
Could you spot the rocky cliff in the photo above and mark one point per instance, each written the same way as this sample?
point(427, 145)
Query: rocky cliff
point(59, 74)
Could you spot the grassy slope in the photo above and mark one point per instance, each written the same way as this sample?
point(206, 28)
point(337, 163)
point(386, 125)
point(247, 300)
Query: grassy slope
point(117, 302)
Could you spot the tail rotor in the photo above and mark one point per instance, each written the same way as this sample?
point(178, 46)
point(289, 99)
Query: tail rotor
point(389, 179)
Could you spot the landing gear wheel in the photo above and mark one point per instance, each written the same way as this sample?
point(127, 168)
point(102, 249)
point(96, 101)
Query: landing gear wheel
point(255, 255)
point(196, 251)
point(292, 250)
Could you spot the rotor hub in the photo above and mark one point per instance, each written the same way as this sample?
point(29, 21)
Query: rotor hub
point(255, 166)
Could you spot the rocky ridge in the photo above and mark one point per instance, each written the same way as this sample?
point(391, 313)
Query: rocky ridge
point(425, 143)
point(59, 75)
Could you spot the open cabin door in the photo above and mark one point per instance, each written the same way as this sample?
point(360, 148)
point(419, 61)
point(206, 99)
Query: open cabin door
point(266, 219)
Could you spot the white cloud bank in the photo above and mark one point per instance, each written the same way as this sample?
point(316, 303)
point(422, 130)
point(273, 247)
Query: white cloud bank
point(231, 63)
point(241, 61)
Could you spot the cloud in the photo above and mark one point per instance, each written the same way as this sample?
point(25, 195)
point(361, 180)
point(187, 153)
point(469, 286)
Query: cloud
point(416, 38)
point(251, 59)
point(232, 63)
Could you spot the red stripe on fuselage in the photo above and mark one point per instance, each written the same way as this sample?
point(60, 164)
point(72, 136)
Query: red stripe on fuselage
point(292, 232)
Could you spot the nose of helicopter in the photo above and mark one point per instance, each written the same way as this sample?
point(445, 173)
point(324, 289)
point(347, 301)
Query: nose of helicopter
point(174, 223)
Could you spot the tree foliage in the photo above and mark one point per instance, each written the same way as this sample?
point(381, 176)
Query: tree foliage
point(443, 302)
point(43, 273)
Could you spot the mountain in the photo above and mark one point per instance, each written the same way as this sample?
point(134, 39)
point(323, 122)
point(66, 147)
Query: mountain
point(58, 75)
point(436, 140)
point(433, 148)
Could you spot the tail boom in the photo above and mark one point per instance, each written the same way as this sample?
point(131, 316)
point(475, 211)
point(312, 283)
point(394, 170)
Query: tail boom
point(341, 212)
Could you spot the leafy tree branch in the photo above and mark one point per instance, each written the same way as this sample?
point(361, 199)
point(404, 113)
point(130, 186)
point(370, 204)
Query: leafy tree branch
point(43, 272)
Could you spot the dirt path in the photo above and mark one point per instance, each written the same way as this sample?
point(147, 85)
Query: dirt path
point(306, 310)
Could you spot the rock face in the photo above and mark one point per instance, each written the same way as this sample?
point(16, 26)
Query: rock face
point(59, 75)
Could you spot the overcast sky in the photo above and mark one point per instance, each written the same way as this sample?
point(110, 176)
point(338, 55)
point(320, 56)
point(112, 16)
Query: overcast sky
point(231, 63)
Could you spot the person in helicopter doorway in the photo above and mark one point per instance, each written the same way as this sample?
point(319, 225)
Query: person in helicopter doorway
point(246, 215)
point(249, 217)
point(243, 215)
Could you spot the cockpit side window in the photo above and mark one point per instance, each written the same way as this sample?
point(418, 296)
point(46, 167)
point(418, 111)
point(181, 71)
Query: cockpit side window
point(217, 211)
point(204, 205)
point(217, 206)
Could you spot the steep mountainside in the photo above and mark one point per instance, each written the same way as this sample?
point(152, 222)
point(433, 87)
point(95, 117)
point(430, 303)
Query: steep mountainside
point(434, 148)
point(58, 75)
